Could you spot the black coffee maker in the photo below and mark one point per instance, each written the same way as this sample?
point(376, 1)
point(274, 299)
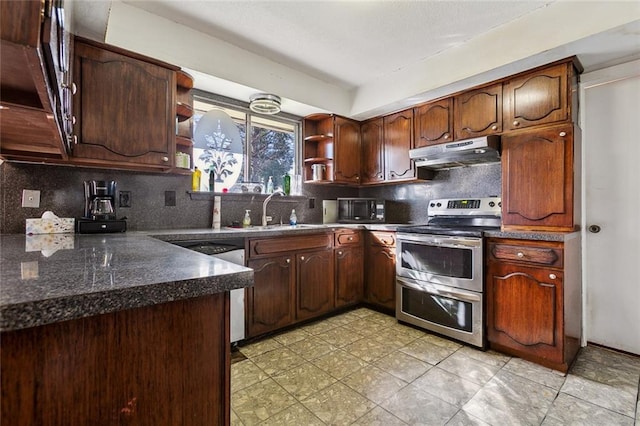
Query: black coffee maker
point(100, 208)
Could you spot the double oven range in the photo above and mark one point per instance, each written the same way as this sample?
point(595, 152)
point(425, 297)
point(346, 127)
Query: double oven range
point(439, 268)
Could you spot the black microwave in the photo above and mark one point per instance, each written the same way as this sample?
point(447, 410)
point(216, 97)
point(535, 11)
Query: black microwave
point(360, 210)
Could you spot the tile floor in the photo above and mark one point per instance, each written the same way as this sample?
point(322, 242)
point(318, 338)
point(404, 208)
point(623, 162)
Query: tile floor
point(363, 368)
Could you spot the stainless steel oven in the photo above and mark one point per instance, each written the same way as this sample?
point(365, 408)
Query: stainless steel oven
point(439, 269)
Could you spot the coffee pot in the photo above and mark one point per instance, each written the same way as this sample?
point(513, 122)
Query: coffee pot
point(100, 208)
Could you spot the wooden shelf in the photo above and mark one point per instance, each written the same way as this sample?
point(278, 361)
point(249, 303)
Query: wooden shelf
point(318, 182)
point(316, 117)
point(318, 138)
point(315, 160)
point(182, 141)
point(184, 80)
point(183, 111)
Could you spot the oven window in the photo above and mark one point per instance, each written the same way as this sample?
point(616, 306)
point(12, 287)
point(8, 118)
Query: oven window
point(444, 261)
point(437, 309)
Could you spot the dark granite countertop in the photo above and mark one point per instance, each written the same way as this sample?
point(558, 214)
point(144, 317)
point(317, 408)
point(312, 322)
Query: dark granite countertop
point(56, 277)
point(534, 235)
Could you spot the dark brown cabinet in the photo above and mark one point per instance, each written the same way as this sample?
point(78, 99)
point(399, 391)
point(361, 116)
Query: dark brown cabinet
point(349, 267)
point(125, 109)
point(541, 97)
point(398, 140)
point(433, 123)
point(35, 80)
point(372, 151)
point(315, 287)
point(538, 183)
point(333, 142)
point(534, 301)
point(478, 112)
point(380, 269)
point(270, 302)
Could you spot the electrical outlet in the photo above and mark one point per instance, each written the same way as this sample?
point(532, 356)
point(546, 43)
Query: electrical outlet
point(169, 198)
point(30, 198)
point(312, 203)
point(124, 198)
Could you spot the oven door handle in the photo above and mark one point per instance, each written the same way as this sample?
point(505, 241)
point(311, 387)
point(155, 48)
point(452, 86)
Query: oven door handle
point(450, 292)
point(453, 242)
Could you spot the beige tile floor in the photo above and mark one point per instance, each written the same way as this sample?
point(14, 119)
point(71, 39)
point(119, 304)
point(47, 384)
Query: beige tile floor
point(363, 368)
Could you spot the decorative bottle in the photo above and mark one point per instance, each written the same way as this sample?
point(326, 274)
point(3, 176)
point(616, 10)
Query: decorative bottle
point(286, 184)
point(195, 179)
point(246, 222)
point(270, 185)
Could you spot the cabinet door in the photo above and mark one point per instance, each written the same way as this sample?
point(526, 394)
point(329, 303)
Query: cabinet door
point(315, 285)
point(125, 110)
point(349, 275)
point(478, 112)
point(398, 140)
point(372, 151)
point(380, 276)
point(537, 179)
point(433, 123)
point(270, 302)
point(537, 98)
point(525, 309)
point(346, 162)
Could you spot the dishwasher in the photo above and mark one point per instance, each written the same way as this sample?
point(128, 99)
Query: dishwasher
point(231, 250)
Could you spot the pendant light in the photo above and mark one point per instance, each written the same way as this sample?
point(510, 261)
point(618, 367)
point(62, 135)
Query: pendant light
point(265, 103)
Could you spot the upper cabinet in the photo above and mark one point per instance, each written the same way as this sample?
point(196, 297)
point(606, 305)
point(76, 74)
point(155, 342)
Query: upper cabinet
point(372, 133)
point(398, 140)
point(35, 76)
point(540, 97)
point(125, 109)
point(331, 149)
point(433, 123)
point(478, 112)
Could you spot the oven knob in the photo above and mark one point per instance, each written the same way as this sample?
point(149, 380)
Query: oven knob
point(432, 205)
point(439, 204)
point(499, 203)
point(492, 204)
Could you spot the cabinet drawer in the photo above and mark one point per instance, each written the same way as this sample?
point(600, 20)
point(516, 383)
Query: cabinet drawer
point(382, 238)
point(550, 256)
point(266, 246)
point(347, 237)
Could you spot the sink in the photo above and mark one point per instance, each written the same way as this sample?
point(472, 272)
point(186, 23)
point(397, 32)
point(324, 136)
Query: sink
point(278, 227)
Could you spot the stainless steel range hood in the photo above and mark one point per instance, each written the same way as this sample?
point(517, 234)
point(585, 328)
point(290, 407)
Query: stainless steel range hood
point(468, 152)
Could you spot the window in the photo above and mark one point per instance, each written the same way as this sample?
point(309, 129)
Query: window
point(271, 150)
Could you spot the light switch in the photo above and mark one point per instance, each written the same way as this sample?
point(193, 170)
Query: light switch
point(30, 198)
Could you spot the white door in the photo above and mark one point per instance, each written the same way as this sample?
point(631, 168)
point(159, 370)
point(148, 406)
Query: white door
point(610, 119)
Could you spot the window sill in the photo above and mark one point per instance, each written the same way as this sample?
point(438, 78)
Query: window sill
point(242, 196)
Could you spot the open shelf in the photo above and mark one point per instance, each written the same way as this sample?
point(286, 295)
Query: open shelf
point(318, 138)
point(316, 160)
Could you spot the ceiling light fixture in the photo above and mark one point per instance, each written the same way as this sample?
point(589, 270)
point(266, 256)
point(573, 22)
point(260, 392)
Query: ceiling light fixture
point(265, 103)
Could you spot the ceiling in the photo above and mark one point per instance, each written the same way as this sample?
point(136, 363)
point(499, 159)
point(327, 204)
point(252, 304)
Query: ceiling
point(356, 58)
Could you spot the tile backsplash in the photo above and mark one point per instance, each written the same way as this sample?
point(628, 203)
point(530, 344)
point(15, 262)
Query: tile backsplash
point(62, 192)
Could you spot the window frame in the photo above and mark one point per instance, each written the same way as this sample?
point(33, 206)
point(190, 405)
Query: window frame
point(243, 107)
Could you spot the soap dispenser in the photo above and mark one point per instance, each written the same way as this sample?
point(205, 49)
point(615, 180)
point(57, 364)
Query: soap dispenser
point(246, 222)
point(293, 219)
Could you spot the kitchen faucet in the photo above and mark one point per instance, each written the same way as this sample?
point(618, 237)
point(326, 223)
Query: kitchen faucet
point(264, 205)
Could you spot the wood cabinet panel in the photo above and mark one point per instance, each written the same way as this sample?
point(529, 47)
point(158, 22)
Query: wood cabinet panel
point(550, 256)
point(525, 309)
point(346, 168)
point(349, 267)
point(372, 151)
point(433, 123)
point(315, 287)
point(119, 96)
point(347, 237)
point(398, 140)
point(267, 246)
point(478, 112)
point(541, 97)
point(163, 364)
point(538, 179)
point(270, 302)
point(380, 270)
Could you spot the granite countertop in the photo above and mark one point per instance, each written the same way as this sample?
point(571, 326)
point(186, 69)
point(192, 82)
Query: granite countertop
point(57, 277)
point(534, 235)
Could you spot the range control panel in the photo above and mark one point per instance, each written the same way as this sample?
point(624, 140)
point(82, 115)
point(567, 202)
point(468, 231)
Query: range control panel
point(488, 206)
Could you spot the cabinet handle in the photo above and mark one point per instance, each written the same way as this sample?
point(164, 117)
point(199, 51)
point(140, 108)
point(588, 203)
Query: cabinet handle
point(165, 159)
point(563, 134)
point(288, 260)
point(516, 123)
point(494, 127)
point(447, 136)
point(75, 139)
point(339, 253)
point(520, 254)
point(301, 257)
point(552, 276)
point(72, 87)
point(350, 238)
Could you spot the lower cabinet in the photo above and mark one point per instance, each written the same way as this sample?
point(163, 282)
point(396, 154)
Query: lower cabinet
point(348, 263)
point(380, 273)
point(314, 284)
point(534, 300)
point(269, 303)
